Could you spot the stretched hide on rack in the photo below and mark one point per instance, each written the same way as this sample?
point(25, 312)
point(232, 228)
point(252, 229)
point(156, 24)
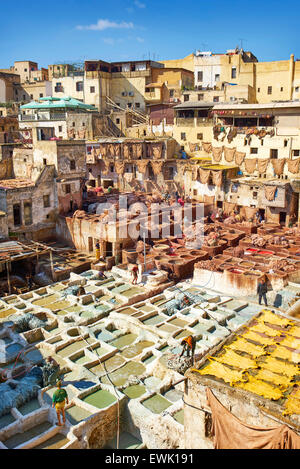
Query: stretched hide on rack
point(204, 175)
point(239, 158)
point(207, 147)
point(209, 199)
point(217, 154)
point(278, 166)
point(157, 167)
point(293, 166)
point(126, 150)
point(104, 167)
point(229, 154)
point(120, 168)
point(103, 149)
point(270, 192)
point(217, 178)
point(156, 150)
point(142, 166)
point(262, 165)
point(229, 207)
point(250, 165)
point(193, 147)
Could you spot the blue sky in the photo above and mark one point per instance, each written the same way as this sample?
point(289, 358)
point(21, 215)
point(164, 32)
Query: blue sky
point(77, 30)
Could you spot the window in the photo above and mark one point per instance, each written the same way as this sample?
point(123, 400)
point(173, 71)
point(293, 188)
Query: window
point(137, 105)
point(183, 136)
point(200, 97)
point(255, 194)
point(92, 89)
point(200, 136)
point(27, 213)
point(79, 86)
point(273, 153)
point(186, 97)
point(112, 168)
point(17, 214)
point(31, 96)
point(200, 76)
point(41, 95)
point(296, 152)
point(217, 77)
point(118, 121)
point(285, 143)
point(60, 128)
point(253, 151)
point(281, 89)
point(25, 69)
point(68, 188)
point(72, 165)
point(172, 93)
point(45, 162)
point(297, 89)
point(124, 93)
point(73, 124)
point(233, 72)
point(216, 99)
point(269, 89)
point(129, 105)
point(46, 200)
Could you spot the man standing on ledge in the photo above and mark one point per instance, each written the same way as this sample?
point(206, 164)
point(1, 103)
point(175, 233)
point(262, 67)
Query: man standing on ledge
point(60, 397)
point(262, 289)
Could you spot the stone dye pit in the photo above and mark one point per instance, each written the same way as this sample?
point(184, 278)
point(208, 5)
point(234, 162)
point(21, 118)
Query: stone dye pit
point(113, 361)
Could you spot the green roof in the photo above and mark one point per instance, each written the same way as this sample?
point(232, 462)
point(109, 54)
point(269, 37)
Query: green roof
point(58, 103)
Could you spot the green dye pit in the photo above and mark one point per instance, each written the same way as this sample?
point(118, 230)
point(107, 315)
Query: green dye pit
point(100, 399)
point(76, 414)
point(134, 392)
point(46, 301)
point(178, 322)
point(157, 404)
point(136, 349)
point(20, 438)
point(121, 376)
point(123, 341)
point(72, 348)
point(153, 321)
point(127, 441)
point(56, 442)
point(29, 407)
point(81, 360)
point(109, 365)
point(168, 328)
point(179, 416)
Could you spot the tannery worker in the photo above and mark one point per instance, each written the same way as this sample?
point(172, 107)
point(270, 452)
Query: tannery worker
point(97, 252)
point(59, 400)
point(188, 345)
point(262, 289)
point(134, 271)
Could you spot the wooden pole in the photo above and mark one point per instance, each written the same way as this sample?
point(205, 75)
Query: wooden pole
point(51, 262)
point(8, 278)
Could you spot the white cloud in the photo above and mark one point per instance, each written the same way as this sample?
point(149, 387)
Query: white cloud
point(111, 41)
point(106, 24)
point(139, 4)
point(140, 39)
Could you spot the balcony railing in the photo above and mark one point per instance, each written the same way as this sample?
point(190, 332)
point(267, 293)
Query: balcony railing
point(42, 117)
